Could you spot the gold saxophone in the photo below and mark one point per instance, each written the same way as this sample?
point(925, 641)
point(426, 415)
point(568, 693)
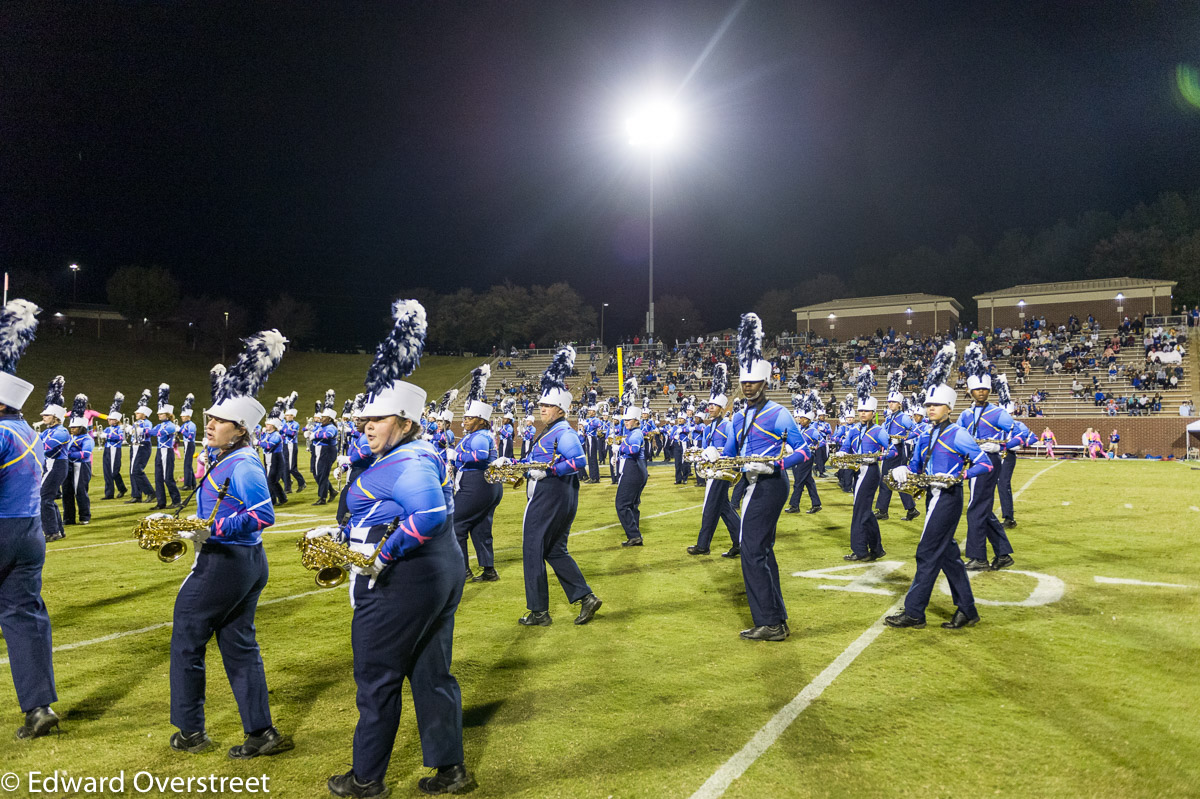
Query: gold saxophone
point(514, 473)
point(852, 460)
point(730, 469)
point(330, 559)
point(693, 455)
point(163, 534)
point(917, 484)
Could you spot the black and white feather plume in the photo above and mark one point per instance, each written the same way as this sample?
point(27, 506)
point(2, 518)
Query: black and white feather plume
point(164, 396)
point(973, 361)
point(556, 374)
point(291, 401)
point(347, 406)
point(54, 391)
point(1003, 395)
point(940, 369)
point(720, 381)
point(117, 401)
point(818, 405)
point(246, 378)
point(330, 400)
point(797, 402)
point(187, 402)
point(317, 407)
point(79, 406)
point(750, 339)
point(509, 405)
point(447, 398)
point(144, 399)
point(479, 378)
point(215, 376)
point(896, 382)
point(18, 323)
point(630, 395)
point(864, 383)
point(360, 402)
point(398, 355)
point(277, 411)
point(646, 404)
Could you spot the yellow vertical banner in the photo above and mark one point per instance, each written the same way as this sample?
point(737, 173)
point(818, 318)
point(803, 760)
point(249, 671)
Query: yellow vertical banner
point(620, 374)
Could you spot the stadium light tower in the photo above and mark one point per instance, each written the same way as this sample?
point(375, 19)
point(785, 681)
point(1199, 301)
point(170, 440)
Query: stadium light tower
point(653, 127)
point(74, 282)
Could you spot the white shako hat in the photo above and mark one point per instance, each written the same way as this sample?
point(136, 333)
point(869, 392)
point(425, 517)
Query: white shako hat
point(554, 380)
point(631, 414)
point(143, 406)
point(976, 367)
point(186, 411)
point(18, 321)
point(749, 350)
point(718, 394)
point(164, 399)
point(477, 405)
point(114, 410)
point(78, 412)
point(937, 392)
point(54, 405)
point(863, 386)
point(235, 391)
point(895, 386)
point(397, 357)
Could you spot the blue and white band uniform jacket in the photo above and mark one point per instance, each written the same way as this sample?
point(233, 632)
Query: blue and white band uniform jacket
point(568, 457)
point(246, 509)
point(764, 432)
point(22, 461)
point(948, 449)
point(987, 422)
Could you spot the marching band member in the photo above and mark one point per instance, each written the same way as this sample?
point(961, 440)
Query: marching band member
point(847, 430)
point(324, 439)
point(945, 449)
point(291, 429)
point(802, 472)
point(527, 434)
point(990, 423)
point(716, 491)
point(825, 432)
point(1024, 438)
point(404, 602)
point(139, 451)
point(187, 432)
point(164, 464)
point(900, 430)
point(271, 443)
point(23, 617)
point(79, 465)
point(632, 471)
point(54, 440)
point(220, 595)
point(505, 434)
point(590, 431)
point(475, 499)
point(114, 440)
point(762, 428)
point(552, 500)
point(359, 457)
point(865, 541)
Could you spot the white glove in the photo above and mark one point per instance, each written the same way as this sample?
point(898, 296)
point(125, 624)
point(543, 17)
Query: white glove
point(198, 536)
point(373, 571)
point(710, 454)
point(158, 516)
point(759, 468)
point(900, 474)
point(991, 446)
point(343, 461)
point(501, 461)
point(938, 483)
point(328, 531)
point(533, 475)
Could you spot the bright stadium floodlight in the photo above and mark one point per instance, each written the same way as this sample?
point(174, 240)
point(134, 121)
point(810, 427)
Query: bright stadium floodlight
point(654, 124)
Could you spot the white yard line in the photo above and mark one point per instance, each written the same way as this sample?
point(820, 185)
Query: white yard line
point(736, 766)
point(1127, 581)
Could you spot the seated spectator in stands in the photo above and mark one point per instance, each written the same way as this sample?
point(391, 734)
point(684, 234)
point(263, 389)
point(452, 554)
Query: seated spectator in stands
point(1111, 407)
point(1185, 408)
point(1099, 397)
point(1076, 388)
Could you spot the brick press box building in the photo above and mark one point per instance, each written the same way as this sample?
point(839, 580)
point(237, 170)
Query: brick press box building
point(1110, 300)
point(862, 316)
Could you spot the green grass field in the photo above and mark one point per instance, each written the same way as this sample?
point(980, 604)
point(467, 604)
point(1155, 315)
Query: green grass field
point(99, 369)
point(1092, 694)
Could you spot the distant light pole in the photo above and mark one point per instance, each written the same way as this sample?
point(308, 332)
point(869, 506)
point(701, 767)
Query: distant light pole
point(224, 335)
point(652, 127)
point(74, 282)
point(602, 307)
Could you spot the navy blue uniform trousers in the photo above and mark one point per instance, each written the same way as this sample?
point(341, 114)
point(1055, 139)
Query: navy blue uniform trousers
point(139, 482)
point(593, 457)
point(937, 551)
point(189, 469)
point(983, 527)
point(820, 455)
point(164, 476)
point(23, 617)
point(717, 507)
point(885, 494)
point(113, 479)
point(549, 513)
point(75, 493)
point(52, 482)
point(682, 467)
point(1004, 483)
point(403, 628)
point(761, 506)
point(629, 495)
point(325, 458)
point(293, 466)
point(219, 598)
point(474, 503)
point(802, 478)
point(864, 527)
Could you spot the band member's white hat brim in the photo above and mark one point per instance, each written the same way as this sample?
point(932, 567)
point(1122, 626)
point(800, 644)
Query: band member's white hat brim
point(560, 398)
point(13, 390)
point(479, 410)
point(244, 411)
point(398, 399)
point(942, 395)
point(974, 382)
point(759, 371)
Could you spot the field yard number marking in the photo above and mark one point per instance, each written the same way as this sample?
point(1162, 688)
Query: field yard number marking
point(1048, 589)
point(865, 583)
point(1126, 581)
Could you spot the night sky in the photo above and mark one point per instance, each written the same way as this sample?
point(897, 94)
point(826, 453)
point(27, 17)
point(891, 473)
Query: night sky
point(344, 152)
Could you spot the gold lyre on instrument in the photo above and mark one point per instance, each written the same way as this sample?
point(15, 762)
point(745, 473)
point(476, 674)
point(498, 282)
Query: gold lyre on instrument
point(162, 534)
point(514, 473)
point(917, 484)
point(852, 460)
point(330, 559)
point(730, 469)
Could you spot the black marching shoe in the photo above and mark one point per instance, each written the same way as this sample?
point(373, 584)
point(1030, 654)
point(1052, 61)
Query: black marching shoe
point(765, 632)
point(1010, 523)
point(978, 565)
point(878, 555)
point(695, 550)
point(632, 542)
point(488, 575)
point(348, 785)
point(959, 620)
point(469, 576)
point(1002, 562)
point(853, 557)
point(790, 509)
point(133, 501)
point(449, 779)
point(38, 722)
point(912, 514)
point(732, 553)
point(904, 620)
point(587, 608)
point(193, 742)
point(55, 537)
point(881, 515)
point(320, 501)
point(535, 618)
point(814, 509)
point(268, 742)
